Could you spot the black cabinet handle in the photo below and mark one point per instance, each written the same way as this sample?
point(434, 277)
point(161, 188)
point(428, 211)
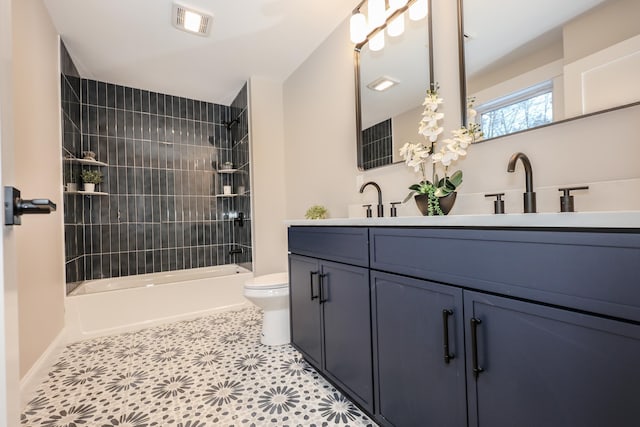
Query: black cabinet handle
point(445, 332)
point(311, 274)
point(322, 292)
point(474, 346)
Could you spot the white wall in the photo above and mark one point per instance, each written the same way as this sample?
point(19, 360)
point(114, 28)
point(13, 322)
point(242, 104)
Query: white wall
point(39, 240)
point(601, 150)
point(267, 192)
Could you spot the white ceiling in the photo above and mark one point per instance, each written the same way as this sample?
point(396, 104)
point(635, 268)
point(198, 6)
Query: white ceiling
point(132, 42)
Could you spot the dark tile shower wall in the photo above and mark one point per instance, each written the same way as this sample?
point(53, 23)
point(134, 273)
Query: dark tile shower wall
point(163, 210)
point(377, 145)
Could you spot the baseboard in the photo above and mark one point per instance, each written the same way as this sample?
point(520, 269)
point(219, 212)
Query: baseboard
point(38, 372)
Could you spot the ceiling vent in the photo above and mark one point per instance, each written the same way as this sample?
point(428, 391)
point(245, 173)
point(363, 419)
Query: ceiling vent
point(191, 21)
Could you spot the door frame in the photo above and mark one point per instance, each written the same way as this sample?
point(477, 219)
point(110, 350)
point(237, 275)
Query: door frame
point(9, 351)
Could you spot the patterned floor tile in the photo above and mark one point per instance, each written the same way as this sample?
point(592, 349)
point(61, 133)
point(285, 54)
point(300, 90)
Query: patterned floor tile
point(210, 371)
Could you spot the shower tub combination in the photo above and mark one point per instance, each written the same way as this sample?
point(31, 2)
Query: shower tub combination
point(107, 306)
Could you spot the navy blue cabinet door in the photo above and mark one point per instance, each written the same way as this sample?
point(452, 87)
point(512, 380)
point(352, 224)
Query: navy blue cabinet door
point(306, 329)
point(347, 329)
point(541, 366)
point(415, 385)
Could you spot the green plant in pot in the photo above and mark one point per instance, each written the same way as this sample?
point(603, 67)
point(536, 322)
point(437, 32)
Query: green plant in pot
point(436, 196)
point(317, 212)
point(90, 178)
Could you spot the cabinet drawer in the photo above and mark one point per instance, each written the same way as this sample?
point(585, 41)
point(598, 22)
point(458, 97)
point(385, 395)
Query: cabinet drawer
point(349, 245)
point(592, 271)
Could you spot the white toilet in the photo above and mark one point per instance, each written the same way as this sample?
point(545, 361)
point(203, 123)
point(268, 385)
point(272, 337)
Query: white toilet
point(271, 293)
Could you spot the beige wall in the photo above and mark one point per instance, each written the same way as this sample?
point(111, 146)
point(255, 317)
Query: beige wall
point(267, 153)
point(600, 28)
point(320, 144)
point(319, 117)
point(39, 240)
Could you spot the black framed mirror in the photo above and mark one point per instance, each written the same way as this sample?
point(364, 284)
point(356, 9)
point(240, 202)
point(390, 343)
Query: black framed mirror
point(531, 64)
point(386, 119)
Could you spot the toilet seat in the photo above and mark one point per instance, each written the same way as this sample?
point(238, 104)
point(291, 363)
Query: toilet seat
point(268, 281)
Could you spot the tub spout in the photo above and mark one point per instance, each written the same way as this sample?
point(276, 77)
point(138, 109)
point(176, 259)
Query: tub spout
point(529, 195)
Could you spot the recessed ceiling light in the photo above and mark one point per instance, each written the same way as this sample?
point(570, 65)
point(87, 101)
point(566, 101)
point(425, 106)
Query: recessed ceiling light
point(382, 83)
point(191, 21)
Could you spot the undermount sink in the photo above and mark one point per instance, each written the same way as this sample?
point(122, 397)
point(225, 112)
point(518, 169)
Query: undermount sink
point(615, 219)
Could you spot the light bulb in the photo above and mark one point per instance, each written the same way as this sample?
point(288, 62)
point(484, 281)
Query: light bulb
point(418, 10)
point(377, 42)
point(396, 27)
point(358, 27)
point(192, 21)
point(375, 13)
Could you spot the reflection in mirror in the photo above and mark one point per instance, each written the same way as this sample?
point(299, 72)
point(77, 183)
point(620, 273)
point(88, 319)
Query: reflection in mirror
point(535, 63)
point(389, 118)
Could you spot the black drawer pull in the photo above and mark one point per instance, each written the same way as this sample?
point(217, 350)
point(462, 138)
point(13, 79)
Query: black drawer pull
point(445, 332)
point(323, 298)
point(474, 346)
point(311, 274)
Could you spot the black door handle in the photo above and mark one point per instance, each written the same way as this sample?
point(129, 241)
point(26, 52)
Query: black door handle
point(474, 346)
point(15, 206)
point(311, 274)
point(445, 332)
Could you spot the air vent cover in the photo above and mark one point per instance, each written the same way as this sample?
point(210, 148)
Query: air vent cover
point(191, 21)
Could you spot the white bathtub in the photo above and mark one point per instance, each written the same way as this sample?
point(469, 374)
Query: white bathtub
point(107, 306)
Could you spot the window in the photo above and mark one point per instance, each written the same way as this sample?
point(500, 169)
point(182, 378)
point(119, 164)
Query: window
point(518, 111)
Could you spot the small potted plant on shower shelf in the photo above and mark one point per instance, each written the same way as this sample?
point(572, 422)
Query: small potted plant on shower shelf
point(89, 179)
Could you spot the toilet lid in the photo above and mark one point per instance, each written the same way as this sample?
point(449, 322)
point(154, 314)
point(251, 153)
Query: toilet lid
point(268, 281)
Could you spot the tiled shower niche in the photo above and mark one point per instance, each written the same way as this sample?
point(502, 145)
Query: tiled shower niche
point(165, 209)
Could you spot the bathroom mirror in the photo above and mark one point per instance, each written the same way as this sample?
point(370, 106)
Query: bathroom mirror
point(529, 64)
point(385, 120)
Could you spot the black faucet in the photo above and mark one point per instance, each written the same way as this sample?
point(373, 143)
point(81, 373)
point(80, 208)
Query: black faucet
point(380, 205)
point(529, 195)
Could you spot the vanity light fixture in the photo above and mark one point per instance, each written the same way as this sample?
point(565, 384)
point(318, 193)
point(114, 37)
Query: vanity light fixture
point(371, 27)
point(191, 21)
point(382, 83)
point(419, 10)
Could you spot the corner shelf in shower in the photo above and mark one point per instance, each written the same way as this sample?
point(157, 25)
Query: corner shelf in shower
point(87, 193)
point(85, 162)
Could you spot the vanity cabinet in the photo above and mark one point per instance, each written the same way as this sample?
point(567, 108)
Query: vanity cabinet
point(330, 308)
point(489, 327)
point(545, 351)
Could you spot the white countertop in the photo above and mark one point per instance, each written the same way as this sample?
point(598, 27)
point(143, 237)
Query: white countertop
point(618, 219)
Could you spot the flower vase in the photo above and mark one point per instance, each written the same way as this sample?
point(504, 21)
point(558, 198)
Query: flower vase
point(446, 203)
point(89, 187)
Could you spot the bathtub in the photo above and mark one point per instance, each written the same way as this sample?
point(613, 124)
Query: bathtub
point(108, 306)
